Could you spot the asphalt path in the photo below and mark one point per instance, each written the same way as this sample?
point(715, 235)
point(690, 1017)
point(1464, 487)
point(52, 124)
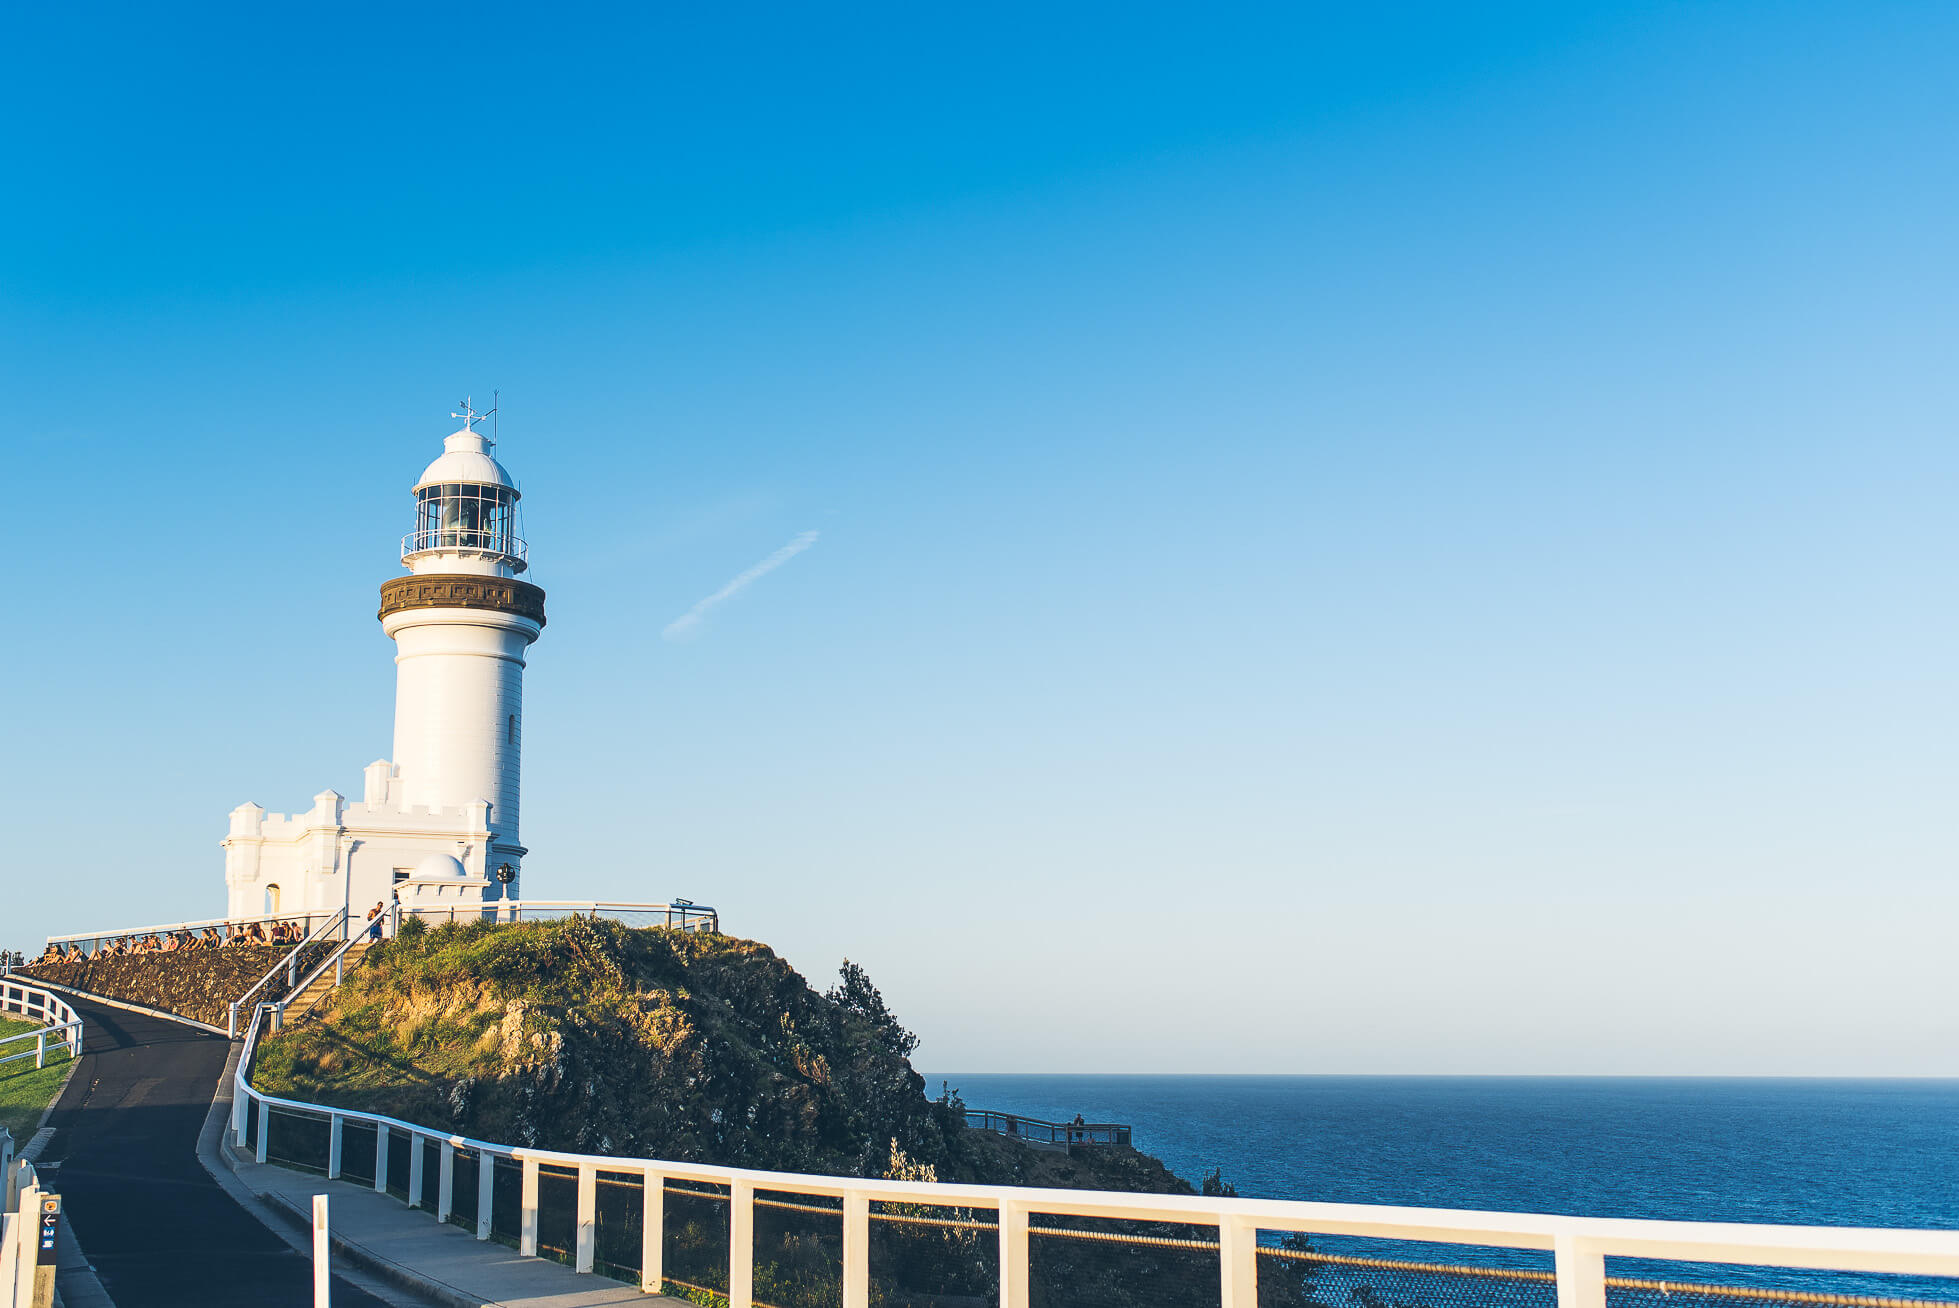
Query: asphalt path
point(158, 1229)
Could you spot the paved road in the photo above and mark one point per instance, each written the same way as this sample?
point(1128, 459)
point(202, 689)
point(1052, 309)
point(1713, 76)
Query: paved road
point(158, 1229)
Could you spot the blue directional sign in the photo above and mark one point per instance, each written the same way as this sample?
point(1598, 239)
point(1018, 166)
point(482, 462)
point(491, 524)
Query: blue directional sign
point(50, 1224)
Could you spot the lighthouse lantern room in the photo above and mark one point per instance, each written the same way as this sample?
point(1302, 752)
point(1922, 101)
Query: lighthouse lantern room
point(438, 822)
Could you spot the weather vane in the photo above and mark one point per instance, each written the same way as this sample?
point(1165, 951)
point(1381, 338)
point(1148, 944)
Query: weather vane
point(470, 416)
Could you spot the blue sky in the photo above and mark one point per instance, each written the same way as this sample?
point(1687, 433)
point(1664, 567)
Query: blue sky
point(1354, 539)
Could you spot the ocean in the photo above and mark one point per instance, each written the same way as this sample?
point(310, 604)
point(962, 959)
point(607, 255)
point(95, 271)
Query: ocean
point(1824, 1152)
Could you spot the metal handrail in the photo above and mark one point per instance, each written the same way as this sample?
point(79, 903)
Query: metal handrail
point(332, 960)
point(1055, 1133)
point(1580, 1245)
point(290, 962)
point(466, 538)
point(684, 915)
point(170, 928)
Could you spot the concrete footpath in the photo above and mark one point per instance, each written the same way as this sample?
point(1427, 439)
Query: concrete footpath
point(151, 1224)
point(408, 1247)
point(167, 1218)
point(403, 1246)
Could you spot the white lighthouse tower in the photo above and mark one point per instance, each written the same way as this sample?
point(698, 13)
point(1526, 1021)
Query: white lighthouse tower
point(439, 821)
point(461, 623)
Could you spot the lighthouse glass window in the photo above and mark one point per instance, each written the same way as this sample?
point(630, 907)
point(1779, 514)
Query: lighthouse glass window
point(464, 516)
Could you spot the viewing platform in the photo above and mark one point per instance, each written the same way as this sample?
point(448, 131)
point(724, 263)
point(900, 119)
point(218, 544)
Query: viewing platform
point(1047, 1135)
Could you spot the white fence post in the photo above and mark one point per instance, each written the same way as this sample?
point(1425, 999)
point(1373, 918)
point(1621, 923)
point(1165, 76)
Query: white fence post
point(1581, 1273)
point(322, 1271)
point(40, 1049)
point(9, 1256)
point(486, 1192)
point(264, 1127)
point(741, 1244)
point(1013, 1256)
point(27, 1275)
point(585, 1247)
point(652, 1233)
point(1238, 1264)
point(856, 1251)
point(527, 1231)
point(380, 1158)
point(336, 1125)
point(445, 1182)
point(416, 1151)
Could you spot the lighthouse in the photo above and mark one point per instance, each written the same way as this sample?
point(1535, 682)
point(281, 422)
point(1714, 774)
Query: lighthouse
point(461, 622)
point(439, 821)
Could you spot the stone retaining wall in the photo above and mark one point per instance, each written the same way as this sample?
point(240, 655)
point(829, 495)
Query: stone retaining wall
point(196, 983)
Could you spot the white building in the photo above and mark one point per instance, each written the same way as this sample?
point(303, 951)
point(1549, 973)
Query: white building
point(440, 820)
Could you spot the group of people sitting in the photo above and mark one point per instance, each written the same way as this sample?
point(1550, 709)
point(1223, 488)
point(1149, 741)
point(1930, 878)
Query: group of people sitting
point(170, 942)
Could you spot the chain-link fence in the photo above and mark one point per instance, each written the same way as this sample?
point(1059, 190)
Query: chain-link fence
point(465, 1192)
point(1643, 1283)
point(932, 1256)
point(297, 1140)
point(618, 1219)
point(506, 1200)
point(557, 1213)
point(694, 1245)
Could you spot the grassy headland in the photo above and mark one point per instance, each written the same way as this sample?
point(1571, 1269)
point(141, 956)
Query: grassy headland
point(594, 1037)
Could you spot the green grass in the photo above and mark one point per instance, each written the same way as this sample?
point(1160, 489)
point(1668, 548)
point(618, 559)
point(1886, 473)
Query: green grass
point(26, 1091)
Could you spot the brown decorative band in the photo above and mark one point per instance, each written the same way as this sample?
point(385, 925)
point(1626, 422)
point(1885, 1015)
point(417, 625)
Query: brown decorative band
point(457, 591)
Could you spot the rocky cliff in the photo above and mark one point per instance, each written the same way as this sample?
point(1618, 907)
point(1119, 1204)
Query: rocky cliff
point(594, 1037)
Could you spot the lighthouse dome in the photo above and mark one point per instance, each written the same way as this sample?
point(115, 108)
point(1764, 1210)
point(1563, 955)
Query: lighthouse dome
point(466, 460)
point(437, 866)
point(465, 512)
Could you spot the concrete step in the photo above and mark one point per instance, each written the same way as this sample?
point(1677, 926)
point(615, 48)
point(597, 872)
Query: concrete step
point(307, 998)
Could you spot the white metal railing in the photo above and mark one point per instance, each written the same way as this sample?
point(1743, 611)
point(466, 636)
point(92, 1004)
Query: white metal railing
point(289, 965)
point(1579, 1245)
point(92, 942)
point(681, 914)
point(336, 959)
point(475, 539)
point(43, 1006)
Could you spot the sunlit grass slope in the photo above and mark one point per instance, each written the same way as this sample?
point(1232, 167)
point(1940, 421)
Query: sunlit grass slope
point(25, 1091)
point(591, 1036)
